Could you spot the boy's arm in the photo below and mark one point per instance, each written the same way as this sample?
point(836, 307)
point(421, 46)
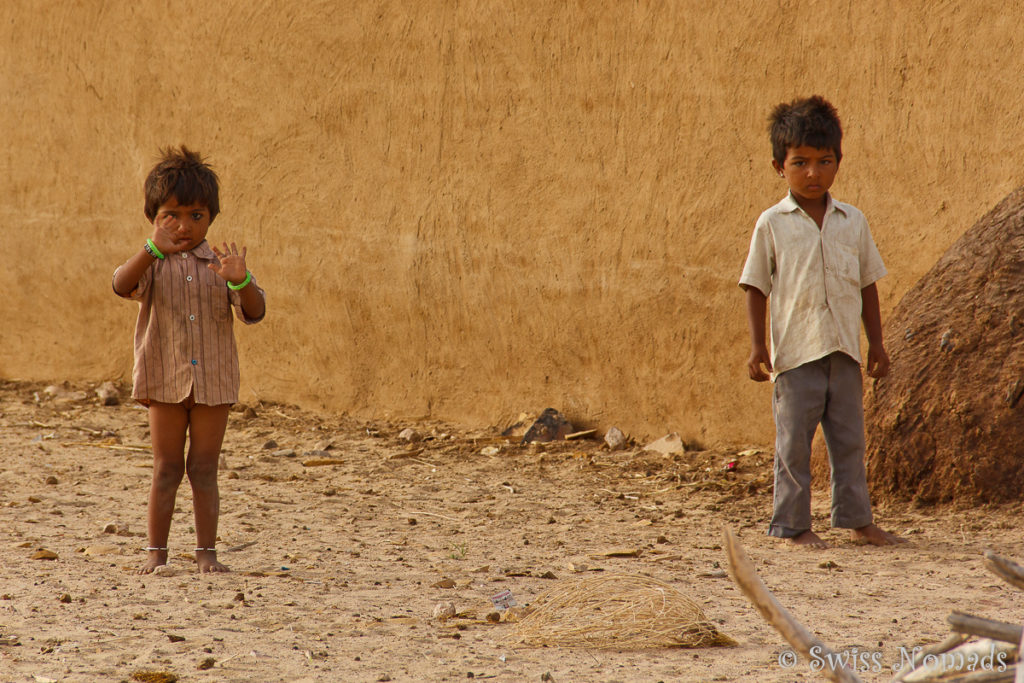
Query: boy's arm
point(878, 359)
point(126, 278)
point(231, 266)
point(757, 308)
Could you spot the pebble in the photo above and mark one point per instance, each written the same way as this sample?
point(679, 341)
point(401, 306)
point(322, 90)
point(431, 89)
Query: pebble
point(116, 528)
point(52, 480)
point(102, 550)
point(410, 435)
point(270, 445)
point(284, 453)
point(443, 611)
point(166, 570)
point(615, 439)
point(44, 554)
point(108, 394)
point(667, 445)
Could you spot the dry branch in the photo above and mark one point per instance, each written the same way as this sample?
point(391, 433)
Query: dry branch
point(745, 576)
point(1009, 571)
point(985, 628)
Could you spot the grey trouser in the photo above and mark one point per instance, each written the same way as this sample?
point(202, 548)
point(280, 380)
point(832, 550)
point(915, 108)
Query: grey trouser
point(828, 391)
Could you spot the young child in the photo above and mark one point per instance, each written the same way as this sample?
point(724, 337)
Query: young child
point(815, 259)
point(186, 364)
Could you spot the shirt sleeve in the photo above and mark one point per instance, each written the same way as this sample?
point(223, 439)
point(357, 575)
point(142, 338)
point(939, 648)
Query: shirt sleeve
point(760, 264)
point(236, 303)
point(140, 289)
point(872, 268)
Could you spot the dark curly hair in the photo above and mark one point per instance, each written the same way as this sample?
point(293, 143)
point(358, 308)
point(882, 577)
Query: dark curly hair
point(810, 121)
point(182, 174)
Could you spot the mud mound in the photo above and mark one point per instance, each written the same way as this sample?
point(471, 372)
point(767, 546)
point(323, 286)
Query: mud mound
point(947, 425)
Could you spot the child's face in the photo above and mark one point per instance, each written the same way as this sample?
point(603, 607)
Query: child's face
point(187, 223)
point(810, 171)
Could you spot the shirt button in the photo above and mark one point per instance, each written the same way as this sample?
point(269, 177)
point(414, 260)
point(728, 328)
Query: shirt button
point(195, 362)
point(184, 255)
point(188, 279)
point(191, 317)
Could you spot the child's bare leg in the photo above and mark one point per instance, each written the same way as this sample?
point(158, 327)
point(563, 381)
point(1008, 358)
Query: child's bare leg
point(206, 433)
point(809, 539)
point(168, 423)
point(875, 536)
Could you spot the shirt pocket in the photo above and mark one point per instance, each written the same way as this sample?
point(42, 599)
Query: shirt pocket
point(848, 264)
point(217, 303)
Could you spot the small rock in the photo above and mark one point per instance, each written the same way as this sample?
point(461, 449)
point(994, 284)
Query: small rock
point(443, 611)
point(270, 445)
point(444, 583)
point(44, 554)
point(250, 413)
point(410, 435)
point(166, 570)
point(207, 663)
point(324, 446)
point(118, 528)
point(52, 480)
point(65, 598)
point(490, 450)
point(669, 444)
point(174, 638)
point(284, 453)
point(108, 394)
point(95, 550)
point(494, 617)
point(615, 439)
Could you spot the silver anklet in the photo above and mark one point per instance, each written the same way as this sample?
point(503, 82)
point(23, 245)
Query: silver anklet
point(148, 548)
point(212, 550)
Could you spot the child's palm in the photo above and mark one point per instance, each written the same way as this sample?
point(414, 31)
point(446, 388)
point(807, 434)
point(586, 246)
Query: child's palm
point(230, 263)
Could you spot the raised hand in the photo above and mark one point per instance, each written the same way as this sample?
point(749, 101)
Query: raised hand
point(169, 235)
point(230, 263)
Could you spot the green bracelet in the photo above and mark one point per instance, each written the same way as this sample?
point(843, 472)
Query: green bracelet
point(152, 250)
point(243, 283)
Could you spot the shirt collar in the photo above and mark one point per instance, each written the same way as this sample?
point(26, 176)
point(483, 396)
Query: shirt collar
point(203, 251)
point(789, 205)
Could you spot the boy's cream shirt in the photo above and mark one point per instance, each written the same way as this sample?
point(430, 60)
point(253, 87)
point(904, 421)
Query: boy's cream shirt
point(813, 279)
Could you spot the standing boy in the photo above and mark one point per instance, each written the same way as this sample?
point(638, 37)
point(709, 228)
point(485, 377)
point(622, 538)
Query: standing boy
point(186, 364)
point(815, 259)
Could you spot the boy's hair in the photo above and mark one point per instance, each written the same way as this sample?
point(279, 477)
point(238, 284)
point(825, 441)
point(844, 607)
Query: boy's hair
point(182, 174)
point(810, 121)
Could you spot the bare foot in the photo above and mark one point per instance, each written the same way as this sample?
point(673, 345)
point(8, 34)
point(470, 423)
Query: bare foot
point(875, 536)
point(157, 558)
point(207, 562)
point(810, 540)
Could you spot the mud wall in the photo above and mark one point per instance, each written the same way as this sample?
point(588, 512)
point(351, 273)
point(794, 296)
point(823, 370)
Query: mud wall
point(468, 209)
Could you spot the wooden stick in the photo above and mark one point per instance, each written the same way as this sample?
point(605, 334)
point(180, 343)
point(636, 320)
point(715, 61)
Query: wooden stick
point(994, 676)
point(113, 447)
point(953, 640)
point(745, 576)
point(985, 628)
point(1007, 570)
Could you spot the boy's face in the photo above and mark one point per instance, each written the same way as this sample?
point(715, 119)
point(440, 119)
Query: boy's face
point(188, 224)
point(810, 171)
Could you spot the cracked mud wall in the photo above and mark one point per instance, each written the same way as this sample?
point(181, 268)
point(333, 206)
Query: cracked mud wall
point(465, 210)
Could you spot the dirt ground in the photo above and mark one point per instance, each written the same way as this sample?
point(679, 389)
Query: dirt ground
point(342, 537)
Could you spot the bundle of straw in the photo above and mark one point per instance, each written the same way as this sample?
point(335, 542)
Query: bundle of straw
point(617, 611)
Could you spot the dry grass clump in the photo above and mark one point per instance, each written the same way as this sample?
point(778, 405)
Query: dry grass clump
point(617, 611)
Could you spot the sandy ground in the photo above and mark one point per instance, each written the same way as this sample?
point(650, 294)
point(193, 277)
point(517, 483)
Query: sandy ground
point(337, 567)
